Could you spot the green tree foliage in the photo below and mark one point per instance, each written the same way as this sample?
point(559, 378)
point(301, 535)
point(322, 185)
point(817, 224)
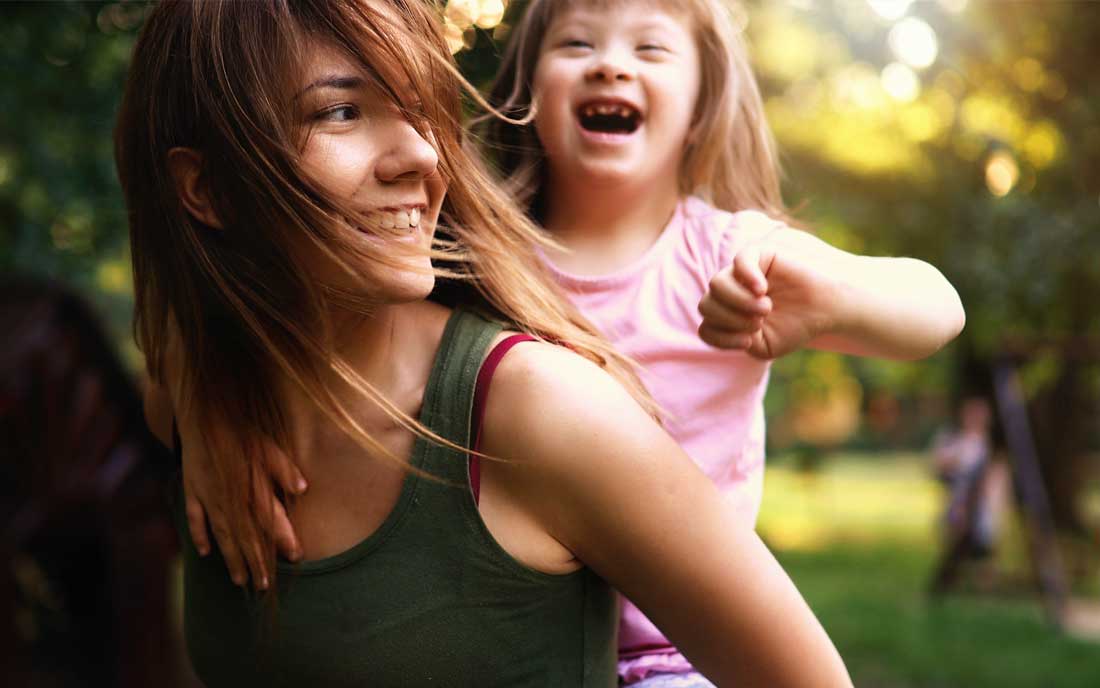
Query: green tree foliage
point(1012, 91)
point(985, 163)
point(61, 211)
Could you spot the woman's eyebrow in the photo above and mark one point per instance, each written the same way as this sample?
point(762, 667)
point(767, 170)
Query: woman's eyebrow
point(342, 82)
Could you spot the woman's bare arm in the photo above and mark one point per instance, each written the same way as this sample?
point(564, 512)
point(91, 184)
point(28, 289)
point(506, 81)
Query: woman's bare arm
point(613, 487)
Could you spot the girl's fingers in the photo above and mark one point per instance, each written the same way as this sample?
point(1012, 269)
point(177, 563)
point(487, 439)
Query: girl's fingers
point(256, 565)
point(285, 539)
point(249, 548)
point(723, 318)
point(234, 562)
point(729, 320)
point(196, 523)
point(728, 292)
point(284, 471)
point(749, 269)
point(724, 339)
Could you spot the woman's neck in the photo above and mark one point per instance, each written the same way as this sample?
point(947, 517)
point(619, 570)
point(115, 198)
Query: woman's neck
point(391, 350)
point(605, 228)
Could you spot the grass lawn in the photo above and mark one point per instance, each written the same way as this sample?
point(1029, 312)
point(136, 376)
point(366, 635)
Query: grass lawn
point(859, 540)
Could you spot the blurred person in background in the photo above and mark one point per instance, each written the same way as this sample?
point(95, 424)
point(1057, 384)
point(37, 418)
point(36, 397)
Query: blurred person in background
point(977, 489)
point(86, 540)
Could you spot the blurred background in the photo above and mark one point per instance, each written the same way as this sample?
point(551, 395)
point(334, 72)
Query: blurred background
point(941, 517)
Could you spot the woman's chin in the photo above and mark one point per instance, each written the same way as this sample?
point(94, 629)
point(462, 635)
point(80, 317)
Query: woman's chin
point(408, 286)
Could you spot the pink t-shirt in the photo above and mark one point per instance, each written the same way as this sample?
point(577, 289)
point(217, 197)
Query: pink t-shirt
point(713, 398)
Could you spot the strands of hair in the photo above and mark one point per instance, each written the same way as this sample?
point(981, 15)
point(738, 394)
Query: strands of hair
point(732, 161)
point(221, 313)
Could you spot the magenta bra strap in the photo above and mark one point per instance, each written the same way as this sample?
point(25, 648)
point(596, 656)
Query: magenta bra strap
point(481, 396)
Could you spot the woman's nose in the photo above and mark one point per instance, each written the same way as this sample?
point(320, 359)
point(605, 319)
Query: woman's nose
point(408, 156)
point(610, 66)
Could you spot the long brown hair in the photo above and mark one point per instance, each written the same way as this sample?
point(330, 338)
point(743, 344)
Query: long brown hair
point(217, 76)
point(731, 159)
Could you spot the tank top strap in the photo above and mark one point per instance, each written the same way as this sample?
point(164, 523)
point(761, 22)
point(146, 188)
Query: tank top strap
point(449, 397)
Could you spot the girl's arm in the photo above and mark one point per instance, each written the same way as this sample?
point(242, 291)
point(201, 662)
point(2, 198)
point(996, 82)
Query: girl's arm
point(203, 495)
point(789, 289)
point(585, 461)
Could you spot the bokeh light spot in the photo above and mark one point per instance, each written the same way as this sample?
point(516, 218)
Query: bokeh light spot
point(1001, 173)
point(1043, 144)
point(900, 82)
point(920, 122)
point(954, 6)
point(1029, 74)
point(914, 42)
point(890, 9)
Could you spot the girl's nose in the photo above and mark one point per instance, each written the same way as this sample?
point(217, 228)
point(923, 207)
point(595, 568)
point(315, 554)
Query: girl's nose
point(610, 66)
point(408, 156)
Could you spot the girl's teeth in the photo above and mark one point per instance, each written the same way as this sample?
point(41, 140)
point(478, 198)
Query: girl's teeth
point(388, 221)
point(606, 109)
point(414, 217)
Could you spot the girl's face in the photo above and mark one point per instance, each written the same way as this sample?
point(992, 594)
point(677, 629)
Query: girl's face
point(616, 92)
point(362, 149)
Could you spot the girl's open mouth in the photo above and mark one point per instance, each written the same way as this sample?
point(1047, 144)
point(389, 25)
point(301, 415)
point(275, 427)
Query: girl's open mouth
point(609, 117)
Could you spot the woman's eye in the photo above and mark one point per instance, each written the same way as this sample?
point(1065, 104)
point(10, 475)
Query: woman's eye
point(339, 113)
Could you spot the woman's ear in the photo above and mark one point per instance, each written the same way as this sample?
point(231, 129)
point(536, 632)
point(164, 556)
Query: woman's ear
point(185, 166)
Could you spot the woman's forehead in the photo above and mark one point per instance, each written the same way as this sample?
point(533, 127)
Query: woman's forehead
point(324, 63)
point(322, 59)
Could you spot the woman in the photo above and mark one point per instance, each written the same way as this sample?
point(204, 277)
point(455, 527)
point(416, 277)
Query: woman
point(285, 165)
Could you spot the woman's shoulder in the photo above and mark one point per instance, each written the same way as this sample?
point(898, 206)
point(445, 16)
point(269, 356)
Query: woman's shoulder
point(545, 400)
point(540, 372)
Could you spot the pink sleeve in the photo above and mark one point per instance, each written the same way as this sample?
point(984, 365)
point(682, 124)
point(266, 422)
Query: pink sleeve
point(739, 229)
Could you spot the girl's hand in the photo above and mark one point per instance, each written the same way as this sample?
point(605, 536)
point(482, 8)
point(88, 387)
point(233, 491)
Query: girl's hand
point(204, 498)
point(778, 295)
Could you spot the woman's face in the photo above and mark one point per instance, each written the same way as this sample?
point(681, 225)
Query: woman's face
point(363, 150)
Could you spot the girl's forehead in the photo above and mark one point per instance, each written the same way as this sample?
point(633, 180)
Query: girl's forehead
point(647, 11)
point(675, 8)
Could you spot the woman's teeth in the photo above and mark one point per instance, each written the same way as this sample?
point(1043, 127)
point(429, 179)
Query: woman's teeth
point(399, 219)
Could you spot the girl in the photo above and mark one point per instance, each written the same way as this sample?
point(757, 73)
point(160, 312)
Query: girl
point(647, 157)
point(284, 165)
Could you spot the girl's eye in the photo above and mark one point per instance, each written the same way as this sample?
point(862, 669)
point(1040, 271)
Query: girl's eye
point(339, 113)
point(652, 47)
point(575, 43)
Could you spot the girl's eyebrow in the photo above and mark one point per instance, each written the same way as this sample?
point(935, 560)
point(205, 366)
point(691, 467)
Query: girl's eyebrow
point(343, 82)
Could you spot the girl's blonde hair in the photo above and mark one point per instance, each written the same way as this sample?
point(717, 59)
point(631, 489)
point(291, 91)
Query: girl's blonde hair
point(236, 308)
point(730, 160)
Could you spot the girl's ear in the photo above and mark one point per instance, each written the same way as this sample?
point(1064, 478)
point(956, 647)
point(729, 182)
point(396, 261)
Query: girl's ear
point(185, 166)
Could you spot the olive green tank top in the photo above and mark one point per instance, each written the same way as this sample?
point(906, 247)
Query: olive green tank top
point(428, 599)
